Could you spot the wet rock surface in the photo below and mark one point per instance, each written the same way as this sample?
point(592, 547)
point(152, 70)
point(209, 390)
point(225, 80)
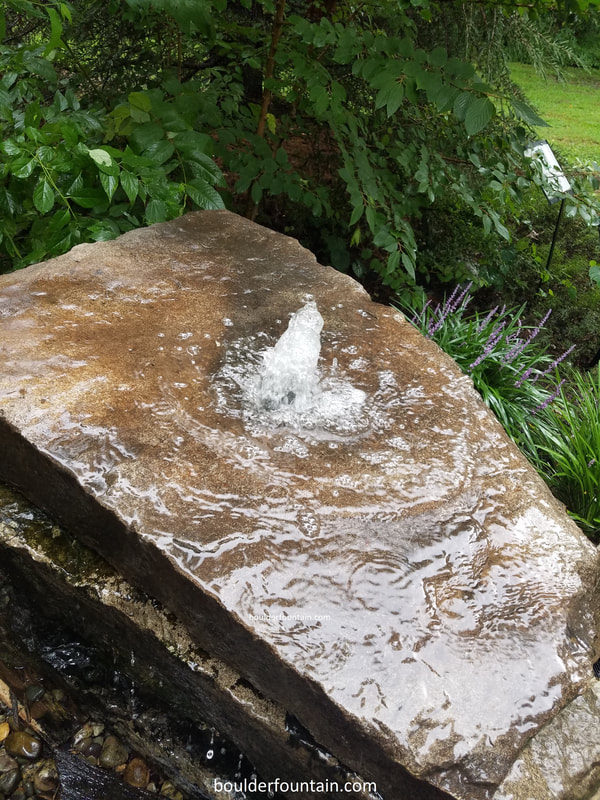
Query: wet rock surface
point(563, 760)
point(399, 579)
point(120, 659)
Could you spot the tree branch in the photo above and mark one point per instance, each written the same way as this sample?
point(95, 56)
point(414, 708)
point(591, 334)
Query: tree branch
point(267, 93)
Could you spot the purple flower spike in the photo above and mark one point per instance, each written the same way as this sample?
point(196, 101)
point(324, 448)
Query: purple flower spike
point(518, 348)
point(482, 325)
point(449, 307)
point(550, 399)
point(417, 317)
point(555, 363)
point(460, 300)
point(492, 341)
point(525, 376)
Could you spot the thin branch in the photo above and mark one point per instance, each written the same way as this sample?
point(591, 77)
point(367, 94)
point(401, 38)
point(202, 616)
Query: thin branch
point(267, 93)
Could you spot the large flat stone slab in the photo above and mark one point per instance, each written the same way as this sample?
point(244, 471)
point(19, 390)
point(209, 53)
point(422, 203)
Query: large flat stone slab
point(400, 579)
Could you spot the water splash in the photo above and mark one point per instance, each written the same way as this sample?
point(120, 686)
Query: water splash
point(289, 387)
point(289, 374)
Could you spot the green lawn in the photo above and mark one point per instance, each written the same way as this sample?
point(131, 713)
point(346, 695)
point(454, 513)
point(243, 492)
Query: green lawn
point(571, 108)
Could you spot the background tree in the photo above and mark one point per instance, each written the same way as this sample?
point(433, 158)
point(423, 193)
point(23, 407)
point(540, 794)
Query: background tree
point(370, 131)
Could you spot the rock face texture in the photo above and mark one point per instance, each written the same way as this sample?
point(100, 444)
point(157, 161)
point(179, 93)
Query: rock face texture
point(389, 569)
point(57, 584)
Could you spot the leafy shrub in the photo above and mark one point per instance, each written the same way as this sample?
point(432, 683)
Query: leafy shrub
point(570, 450)
point(167, 87)
point(62, 183)
point(346, 127)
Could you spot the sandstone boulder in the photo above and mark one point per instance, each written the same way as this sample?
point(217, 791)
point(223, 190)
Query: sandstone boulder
point(394, 573)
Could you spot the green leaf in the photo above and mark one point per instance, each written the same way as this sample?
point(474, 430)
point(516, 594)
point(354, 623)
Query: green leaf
point(393, 261)
point(204, 195)
point(204, 167)
point(320, 99)
point(109, 184)
point(145, 135)
point(58, 220)
point(595, 273)
point(409, 264)
point(76, 185)
point(8, 79)
point(445, 98)
point(101, 157)
point(271, 122)
point(104, 231)
point(438, 57)
point(131, 159)
point(89, 198)
point(160, 151)
point(432, 83)
point(130, 185)
point(528, 115)
point(500, 228)
point(461, 69)
point(104, 161)
point(140, 100)
point(156, 211)
point(43, 196)
point(41, 67)
point(7, 201)
point(391, 96)
point(189, 142)
point(10, 148)
point(2, 25)
point(461, 104)
point(349, 45)
point(385, 239)
point(139, 116)
point(22, 167)
point(45, 154)
point(357, 213)
point(56, 29)
point(479, 113)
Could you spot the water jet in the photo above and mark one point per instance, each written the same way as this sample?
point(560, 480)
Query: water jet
point(289, 373)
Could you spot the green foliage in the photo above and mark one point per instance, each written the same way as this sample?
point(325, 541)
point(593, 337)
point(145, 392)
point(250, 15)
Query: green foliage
point(61, 182)
point(116, 114)
point(570, 450)
point(509, 367)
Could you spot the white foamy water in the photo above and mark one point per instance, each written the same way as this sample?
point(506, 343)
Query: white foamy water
point(289, 375)
point(284, 385)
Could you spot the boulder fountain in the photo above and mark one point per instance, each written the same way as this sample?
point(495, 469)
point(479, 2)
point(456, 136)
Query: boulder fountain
point(328, 508)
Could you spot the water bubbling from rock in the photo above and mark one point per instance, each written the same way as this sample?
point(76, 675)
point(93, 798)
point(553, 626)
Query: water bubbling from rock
point(284, 387)
point(289, 374)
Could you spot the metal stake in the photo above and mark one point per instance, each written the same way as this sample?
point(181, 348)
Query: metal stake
point(560, 211)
